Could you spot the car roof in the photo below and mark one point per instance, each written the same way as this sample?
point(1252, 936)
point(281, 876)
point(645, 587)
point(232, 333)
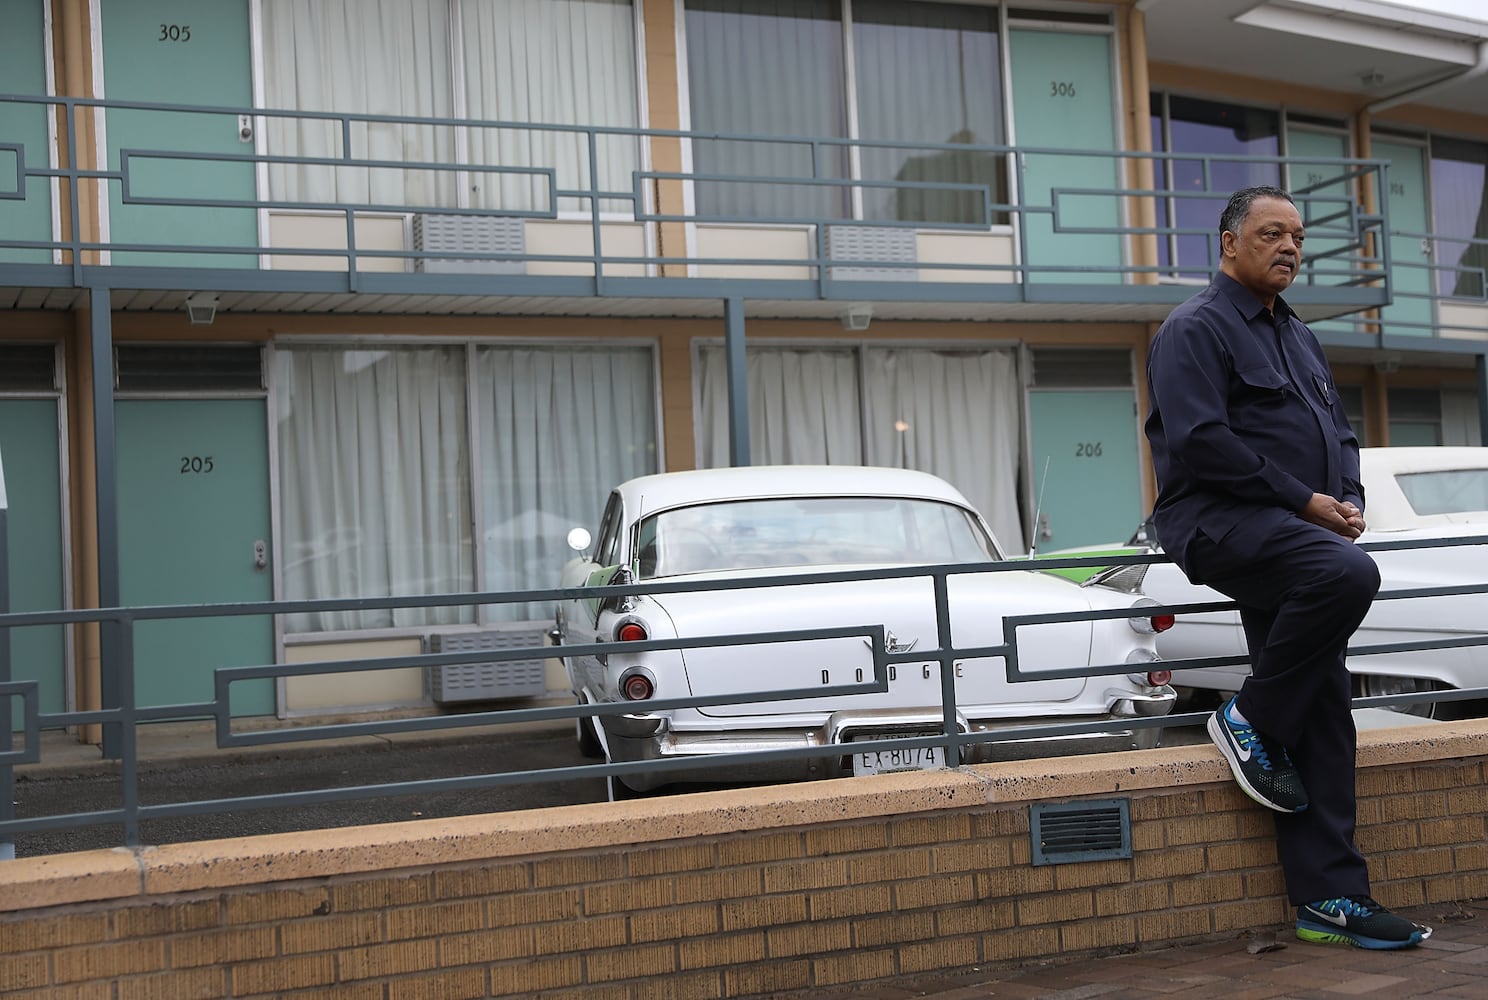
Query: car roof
point(1385, 504)
point(673, 489)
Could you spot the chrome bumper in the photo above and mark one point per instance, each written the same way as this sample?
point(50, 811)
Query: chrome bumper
point(641, 737)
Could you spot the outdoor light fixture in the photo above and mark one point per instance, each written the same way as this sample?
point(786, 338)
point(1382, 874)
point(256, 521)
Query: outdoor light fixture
point(201, 308)
point(857, 316)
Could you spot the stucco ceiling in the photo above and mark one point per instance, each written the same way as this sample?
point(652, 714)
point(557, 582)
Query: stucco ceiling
point(1370, 49)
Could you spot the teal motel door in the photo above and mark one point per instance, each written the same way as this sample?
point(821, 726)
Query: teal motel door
point(1086, 473)
point(1411, 277)
point(1062, 100)
point(30, 452)
point(180, 52)
point(194, 529)
point(25, 205)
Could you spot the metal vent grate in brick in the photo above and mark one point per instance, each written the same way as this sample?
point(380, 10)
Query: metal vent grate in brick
point(1080, 831)
point(440, 233)
point(490, 680)
point(872, 243)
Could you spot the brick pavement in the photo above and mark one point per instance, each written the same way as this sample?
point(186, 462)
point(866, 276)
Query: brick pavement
point(1452, 964)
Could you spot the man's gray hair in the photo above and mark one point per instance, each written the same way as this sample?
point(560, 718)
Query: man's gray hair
point(1235, 212)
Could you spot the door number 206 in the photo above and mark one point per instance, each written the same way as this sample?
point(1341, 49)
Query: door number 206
point(1088, 449)
point(196, 464)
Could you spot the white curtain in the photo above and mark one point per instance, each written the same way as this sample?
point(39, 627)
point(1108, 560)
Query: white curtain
point(960, 412)
point(960, 416)
point(1460, 425)
point(555, 62)
point(559, 427)
point(380, 57)
point(804, 407)
point(767, 67)
point(374, 481)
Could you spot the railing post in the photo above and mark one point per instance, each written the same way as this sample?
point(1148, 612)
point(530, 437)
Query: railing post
point(1482, 372)
point(7, 773)
point(106, 486)
point(738, 381)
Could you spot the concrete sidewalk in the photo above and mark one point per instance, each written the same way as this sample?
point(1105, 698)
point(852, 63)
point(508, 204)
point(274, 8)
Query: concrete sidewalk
point(1452, 963)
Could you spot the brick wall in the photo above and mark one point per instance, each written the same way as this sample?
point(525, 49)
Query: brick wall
point(722, 894)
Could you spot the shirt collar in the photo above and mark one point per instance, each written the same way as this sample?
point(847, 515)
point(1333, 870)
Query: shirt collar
point(1245, 301)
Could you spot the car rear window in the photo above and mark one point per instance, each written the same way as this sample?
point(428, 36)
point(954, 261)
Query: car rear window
point(810, 531)
point(1453, 491)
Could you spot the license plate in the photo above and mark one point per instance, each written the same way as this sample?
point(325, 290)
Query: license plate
point(906, 759)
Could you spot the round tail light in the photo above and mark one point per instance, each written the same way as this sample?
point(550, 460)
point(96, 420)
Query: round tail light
point(1158, 678)
point(1161, 623)
point(631, 632)
point(637, 687)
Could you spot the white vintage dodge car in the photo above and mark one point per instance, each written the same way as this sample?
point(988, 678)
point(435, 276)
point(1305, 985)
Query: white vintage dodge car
point(741, 523)
point(1409, 493)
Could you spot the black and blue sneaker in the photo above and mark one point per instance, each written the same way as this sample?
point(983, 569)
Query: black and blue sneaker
point(1359, 921)
point(1262, 768)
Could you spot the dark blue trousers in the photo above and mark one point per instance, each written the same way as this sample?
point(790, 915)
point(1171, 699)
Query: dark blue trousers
point(1302, 591)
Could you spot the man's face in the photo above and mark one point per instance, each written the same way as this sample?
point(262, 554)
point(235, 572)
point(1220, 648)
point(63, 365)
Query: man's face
point(1265, 256)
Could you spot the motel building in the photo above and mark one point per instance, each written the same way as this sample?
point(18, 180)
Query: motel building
point(363, 298)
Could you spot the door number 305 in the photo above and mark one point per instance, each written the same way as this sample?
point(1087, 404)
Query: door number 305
point(1088, 449)
point(196, 464)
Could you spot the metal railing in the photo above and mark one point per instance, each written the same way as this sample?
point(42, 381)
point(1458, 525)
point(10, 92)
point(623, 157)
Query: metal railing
point(119, 626)
point(1061, 215)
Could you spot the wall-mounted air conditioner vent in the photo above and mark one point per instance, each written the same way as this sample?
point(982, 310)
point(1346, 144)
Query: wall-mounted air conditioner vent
point(872, 243)
point(442, 233)
point(491, 680)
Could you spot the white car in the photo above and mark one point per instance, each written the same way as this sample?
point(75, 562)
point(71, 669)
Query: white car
point(1409, 493)
point(742, 523)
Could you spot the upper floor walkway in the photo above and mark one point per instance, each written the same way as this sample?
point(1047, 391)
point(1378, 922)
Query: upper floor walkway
point(301, 211)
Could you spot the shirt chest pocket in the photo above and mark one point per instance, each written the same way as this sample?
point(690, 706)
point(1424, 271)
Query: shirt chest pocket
point(1258, 397)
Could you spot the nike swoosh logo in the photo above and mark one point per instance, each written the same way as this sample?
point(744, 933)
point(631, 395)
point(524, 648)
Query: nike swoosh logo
point(1338, 919)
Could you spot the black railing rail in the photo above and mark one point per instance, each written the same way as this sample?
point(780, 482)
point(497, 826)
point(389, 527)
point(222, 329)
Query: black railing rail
point(127, 716)
point(966, 188)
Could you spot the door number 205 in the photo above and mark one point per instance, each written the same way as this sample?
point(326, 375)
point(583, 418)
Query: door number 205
point(196, 464)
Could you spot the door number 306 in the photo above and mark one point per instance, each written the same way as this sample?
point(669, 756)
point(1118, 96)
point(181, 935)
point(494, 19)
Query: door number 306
point(196, 464)
point(1088, 449)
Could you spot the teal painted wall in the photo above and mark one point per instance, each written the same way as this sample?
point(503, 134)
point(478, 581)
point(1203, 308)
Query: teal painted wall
point(23, 71)
point(33, 486)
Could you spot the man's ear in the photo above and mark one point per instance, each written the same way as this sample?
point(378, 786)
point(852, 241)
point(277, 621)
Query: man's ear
point(1226, 244)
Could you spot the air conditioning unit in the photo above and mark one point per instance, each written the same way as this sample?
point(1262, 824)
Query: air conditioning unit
point(872, 243)
point(490, 680)
point(445, 233)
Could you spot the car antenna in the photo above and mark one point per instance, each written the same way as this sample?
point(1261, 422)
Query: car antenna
point(1038, 508)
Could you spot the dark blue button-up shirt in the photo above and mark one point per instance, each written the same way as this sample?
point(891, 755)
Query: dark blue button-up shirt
point(1245, 423)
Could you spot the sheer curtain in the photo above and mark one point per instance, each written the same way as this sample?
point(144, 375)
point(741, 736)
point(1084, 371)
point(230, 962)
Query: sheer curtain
point(555, 62)
point(559, 427)
point(804, 406)
point(928, 72)
point(767, 67)
point(374, 481)
point(956, 414)
point(380, 57)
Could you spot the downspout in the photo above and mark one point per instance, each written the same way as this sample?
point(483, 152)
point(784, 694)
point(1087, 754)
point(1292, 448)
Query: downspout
point(1477, 69)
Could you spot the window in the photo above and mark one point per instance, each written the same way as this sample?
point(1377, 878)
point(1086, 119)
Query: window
point(1459, 209)
point(1352, 398)
point(951, 412)
point(1214, 133)
point(924, 73)
point(550, 62)
point(381, 479)
point(1415, 417)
